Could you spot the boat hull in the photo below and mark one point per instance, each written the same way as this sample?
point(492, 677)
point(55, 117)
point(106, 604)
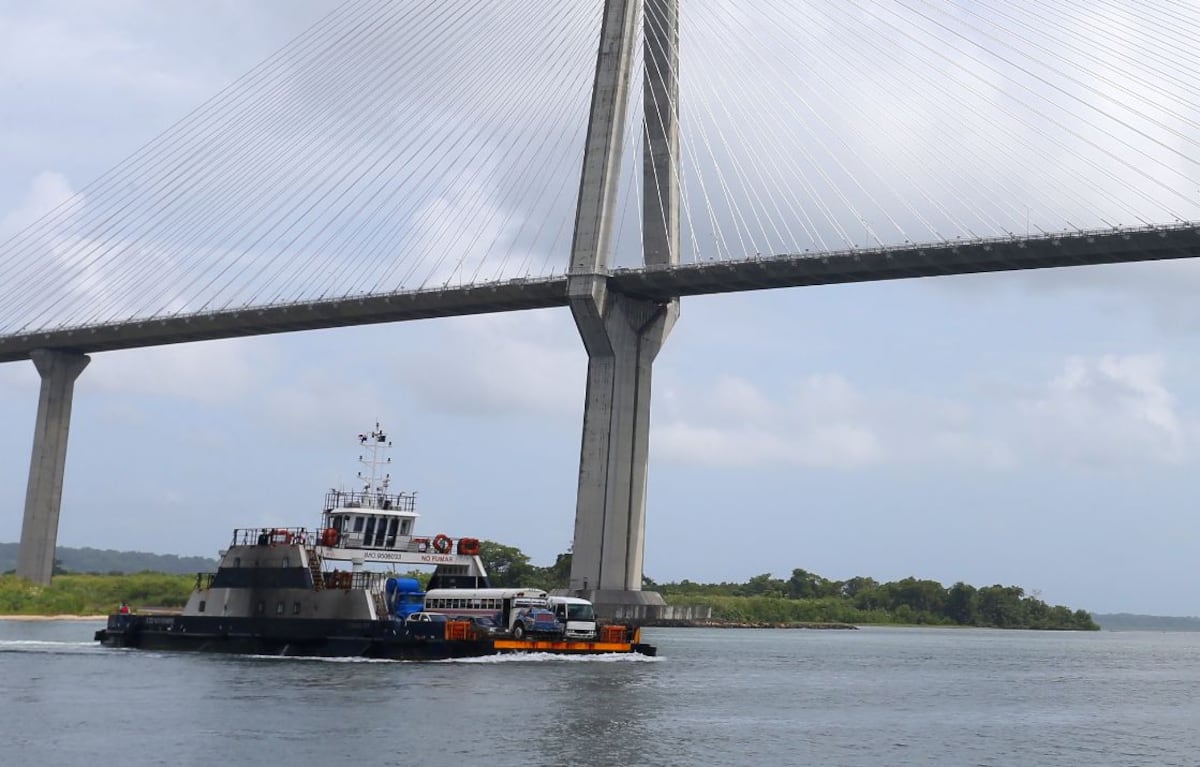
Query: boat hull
point(387, 640)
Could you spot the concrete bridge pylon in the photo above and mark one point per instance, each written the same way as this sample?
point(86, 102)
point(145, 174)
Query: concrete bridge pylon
point(622, 334)
point(43, 495)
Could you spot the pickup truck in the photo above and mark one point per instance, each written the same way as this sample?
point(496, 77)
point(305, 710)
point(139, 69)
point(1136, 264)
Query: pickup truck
point(537, 622)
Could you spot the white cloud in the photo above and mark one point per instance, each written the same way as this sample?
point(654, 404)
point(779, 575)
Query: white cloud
point(47, 190)
point(1096, 412)
point(821, 445)
point(1107, 411)
point(212, 372)
point(532, 364)
point(325, 399)
point(737, 424)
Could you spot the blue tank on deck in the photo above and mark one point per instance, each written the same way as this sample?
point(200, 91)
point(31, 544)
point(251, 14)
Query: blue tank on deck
point(404, 596)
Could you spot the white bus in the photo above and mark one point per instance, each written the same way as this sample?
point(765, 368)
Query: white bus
point(577, 615)
point(501, 604)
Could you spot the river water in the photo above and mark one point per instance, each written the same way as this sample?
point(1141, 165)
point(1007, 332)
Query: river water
point(876, 696)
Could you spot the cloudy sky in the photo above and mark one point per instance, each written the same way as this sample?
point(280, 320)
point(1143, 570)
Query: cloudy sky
point(1035, 429)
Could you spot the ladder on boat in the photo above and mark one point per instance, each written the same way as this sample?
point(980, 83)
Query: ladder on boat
point(314, 566)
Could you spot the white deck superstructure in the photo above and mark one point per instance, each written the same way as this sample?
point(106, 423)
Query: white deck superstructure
point(371, 524)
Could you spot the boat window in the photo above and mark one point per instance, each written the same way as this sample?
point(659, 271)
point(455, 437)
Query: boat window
point(391, 535)
point(295, 608)
point(286, 562)
point(406, 527)
point(380, 530)
point(202, 604)
point(279, 608)
point(237, 561)
point(358, 524)
point(262, 606)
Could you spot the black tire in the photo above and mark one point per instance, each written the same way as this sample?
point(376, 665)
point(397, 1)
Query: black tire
point(519, 632)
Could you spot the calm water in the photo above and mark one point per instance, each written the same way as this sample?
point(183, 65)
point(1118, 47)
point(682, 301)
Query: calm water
point(715, 697)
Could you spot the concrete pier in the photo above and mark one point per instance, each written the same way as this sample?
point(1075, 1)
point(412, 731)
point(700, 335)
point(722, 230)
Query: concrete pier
point(622, 340)
point(622, 335)
point(43, 495)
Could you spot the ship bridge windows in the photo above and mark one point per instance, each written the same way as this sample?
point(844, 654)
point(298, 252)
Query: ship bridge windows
point(373, 531)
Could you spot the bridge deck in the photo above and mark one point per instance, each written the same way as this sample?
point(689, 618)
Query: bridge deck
point(655, 283)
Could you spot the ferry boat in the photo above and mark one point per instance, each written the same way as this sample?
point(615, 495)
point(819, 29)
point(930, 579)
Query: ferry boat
point(322, 592)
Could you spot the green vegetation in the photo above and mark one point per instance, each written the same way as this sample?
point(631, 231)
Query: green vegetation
point(804, 597)
point(93, 594)
point(508, 566)
point(810, 598)
point(89, 560)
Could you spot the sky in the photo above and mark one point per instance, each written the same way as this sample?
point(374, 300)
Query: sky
point(1037, 429)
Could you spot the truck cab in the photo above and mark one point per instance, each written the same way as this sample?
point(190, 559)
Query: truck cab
point(576, 615)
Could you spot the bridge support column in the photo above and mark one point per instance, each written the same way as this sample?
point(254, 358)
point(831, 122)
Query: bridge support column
point(43, 495)
point(622, 335)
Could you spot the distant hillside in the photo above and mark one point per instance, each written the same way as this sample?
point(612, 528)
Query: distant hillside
point(89, 560)
point(1130, 622)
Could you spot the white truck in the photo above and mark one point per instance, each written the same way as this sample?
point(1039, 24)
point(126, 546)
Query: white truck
point(576, 615)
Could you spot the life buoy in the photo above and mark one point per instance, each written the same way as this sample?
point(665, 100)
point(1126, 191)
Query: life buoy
point(329, 537)
point(442, 543)
point(280, 536)
point(468, 546)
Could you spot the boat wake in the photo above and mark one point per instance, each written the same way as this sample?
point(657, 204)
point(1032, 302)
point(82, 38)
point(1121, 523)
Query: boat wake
point(530, 657)
point(45, 646)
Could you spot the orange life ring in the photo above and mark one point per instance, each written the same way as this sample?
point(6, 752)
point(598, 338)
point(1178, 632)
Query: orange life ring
point(468, 546)
point(329, 537)
point(442, 543)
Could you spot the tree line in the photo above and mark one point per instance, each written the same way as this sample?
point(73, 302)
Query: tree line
point(809, 597)
point(110, 561)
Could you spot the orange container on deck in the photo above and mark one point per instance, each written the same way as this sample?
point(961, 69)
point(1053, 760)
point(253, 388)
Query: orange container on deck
point(613, 633)
point(459, 630)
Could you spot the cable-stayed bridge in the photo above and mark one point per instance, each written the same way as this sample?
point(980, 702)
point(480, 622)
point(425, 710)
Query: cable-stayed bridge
point(372, 172)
